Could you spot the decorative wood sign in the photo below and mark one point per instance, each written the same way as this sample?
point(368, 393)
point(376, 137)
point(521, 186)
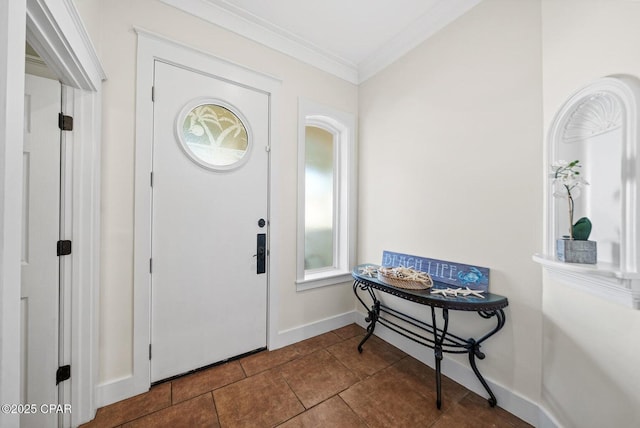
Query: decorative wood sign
point(450, 273)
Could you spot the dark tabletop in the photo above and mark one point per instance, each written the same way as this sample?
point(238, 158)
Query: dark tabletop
point(490, 302)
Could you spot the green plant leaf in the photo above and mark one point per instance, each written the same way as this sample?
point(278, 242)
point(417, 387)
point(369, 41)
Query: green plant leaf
point(582, 229)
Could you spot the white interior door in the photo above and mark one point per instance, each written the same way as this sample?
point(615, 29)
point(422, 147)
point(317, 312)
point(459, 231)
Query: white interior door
point(210, 181)
point(40, 265)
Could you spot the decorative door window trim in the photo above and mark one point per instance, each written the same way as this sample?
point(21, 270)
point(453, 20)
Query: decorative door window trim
point(214, 134)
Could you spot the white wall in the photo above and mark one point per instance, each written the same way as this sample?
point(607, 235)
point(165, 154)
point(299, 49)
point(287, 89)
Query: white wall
point(450, 159)
point(451, 140)
point(110, 25)
point(591, 346)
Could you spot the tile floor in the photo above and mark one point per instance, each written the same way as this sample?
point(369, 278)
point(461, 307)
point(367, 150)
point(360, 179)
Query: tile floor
point(320, 382)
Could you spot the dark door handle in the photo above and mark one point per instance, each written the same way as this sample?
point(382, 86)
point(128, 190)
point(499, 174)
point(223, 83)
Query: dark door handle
point(261, 252)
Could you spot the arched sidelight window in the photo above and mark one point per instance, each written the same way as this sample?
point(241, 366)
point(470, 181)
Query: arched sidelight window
point(326, 195)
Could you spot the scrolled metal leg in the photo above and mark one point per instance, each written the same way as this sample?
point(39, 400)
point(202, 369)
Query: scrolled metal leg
point(474, 351)
point(372, 318)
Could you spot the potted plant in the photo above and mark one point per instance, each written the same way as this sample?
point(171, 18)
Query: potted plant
point(575, 247)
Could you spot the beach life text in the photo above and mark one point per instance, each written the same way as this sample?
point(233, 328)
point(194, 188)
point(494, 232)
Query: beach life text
point(450, 273)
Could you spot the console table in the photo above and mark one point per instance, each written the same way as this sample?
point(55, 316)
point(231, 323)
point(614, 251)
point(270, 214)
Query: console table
point(440, 339)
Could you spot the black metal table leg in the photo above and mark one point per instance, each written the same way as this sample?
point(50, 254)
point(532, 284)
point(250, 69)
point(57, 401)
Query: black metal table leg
point(475, 352)
point(438, 355)
point(437, 350)
point(438, 339)
point(372, 318)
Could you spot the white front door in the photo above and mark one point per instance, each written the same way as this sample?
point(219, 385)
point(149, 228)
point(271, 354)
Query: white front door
point(40, 264)
point(209, 187)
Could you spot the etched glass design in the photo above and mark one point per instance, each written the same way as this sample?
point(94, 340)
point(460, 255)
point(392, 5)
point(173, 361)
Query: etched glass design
point(214, 135)
point(319, 198)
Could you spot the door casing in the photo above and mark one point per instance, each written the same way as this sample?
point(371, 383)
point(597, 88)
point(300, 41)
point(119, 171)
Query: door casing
point(54, 29)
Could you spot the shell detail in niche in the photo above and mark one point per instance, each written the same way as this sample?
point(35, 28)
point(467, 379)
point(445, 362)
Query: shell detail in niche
point(596, 114)
point(598, 124)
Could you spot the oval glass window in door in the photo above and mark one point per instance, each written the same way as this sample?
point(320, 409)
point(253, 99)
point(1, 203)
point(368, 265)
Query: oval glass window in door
point(213, 135)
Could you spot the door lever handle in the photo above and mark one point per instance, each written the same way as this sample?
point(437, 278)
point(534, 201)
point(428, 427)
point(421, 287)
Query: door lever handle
point(261, 251)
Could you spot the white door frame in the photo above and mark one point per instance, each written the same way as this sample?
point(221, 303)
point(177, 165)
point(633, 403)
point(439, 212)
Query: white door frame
point(152, 46)
point(55, 31)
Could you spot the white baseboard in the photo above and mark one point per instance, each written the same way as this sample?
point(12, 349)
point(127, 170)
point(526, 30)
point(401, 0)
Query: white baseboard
point(512, 402)
point(297, 334)
point(546, 420)
point(126, 387)
point(118, 390)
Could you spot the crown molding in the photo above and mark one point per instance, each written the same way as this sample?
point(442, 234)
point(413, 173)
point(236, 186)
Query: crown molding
point(253, 28)
point(438, 17)
point(243, 23)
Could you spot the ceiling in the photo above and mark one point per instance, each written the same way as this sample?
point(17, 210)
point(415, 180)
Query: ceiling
point(353, 39)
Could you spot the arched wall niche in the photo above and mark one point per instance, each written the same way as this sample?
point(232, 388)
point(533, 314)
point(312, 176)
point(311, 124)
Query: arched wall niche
point(598, 125)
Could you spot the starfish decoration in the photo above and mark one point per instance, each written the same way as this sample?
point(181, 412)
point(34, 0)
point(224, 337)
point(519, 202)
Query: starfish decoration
point(455, 292)
point(369, 270)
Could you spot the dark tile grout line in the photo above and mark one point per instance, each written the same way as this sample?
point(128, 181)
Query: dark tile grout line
point(328, 398)
point(171, 405)
point(246, 376)
point(360, 379)
point(321, 402)
point(297, 398)
point(298, 356)
point(215, 408)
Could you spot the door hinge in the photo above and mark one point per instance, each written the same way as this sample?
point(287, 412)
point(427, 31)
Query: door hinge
point(153, 94)
point(151, 174)
point(149, 351)
point(65, 123)
point(150, 265)
point(64, 248)
point(63, 373)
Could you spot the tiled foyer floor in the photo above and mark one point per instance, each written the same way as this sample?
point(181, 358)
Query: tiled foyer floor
point(320, 382)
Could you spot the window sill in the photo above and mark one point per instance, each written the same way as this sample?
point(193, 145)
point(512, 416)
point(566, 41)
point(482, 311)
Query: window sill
point(602, 279)
point(323, 279)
